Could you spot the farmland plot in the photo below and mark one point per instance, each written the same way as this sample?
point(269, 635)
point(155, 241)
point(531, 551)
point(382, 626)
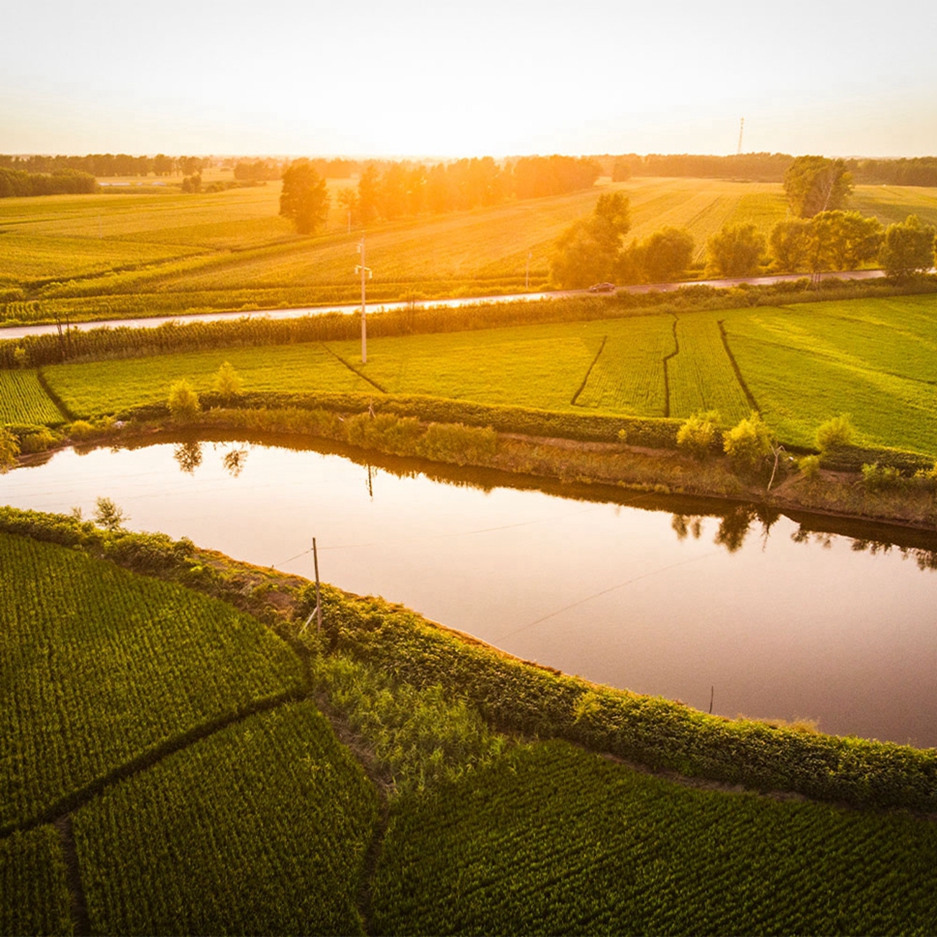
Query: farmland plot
point(99, 387)
point(555, 840)
point(800, 381)
point(22, 399)
point(101, 667)
point(628, 377)
point(700, 375)
point(261, 828)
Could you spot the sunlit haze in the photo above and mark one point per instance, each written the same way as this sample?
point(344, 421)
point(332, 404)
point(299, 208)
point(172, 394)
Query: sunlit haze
point(445, 79)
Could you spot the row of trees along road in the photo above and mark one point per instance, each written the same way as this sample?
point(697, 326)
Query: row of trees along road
point(819, 237)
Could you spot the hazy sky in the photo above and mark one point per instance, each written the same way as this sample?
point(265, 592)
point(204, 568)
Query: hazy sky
point(401, 77)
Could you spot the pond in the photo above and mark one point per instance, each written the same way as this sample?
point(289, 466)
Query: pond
point(766, 615)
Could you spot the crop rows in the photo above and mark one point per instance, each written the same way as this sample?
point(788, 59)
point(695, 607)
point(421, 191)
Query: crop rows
point(102, 667)
point(34, 896)
point(22, 399)
point(555, 840)
point(628, 376)
point(701, 376)
point(261, 828)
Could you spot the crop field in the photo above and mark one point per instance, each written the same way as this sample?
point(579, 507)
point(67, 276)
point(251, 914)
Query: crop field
point(144, 254)
point(101, 667)
point(22, 399)
point(553, 840)
point(34, 897)
point(801, 365)
point(260, 828)
point(101, 387)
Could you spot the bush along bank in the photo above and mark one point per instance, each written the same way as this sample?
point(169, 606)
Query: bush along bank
point(517, 696)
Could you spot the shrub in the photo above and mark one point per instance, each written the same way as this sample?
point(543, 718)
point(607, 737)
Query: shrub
point(227, 381)
point(453, 442)
point(38, 441)
point(835, 433)
point(809, 466)
point(108, 515)
point(880, 477)
point(748, 442)
point(698, 432)
point(81, 429)
point(183, 401)
point(20, 357)
point(9, 448)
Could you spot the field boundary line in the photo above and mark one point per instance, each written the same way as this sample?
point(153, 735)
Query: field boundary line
point(352, 368)
point(78, 906)
point(148, 759)
point(735, 367)
point(585, 380)
point(664, 360)
point(57, 401)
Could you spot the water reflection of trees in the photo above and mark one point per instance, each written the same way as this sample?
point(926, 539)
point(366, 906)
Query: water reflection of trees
point(733, 526)
point(233, 461)
point(188, 455)
point(922, 557)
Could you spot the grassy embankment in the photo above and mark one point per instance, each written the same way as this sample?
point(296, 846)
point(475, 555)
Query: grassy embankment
point(111, 256)
point(263, 821)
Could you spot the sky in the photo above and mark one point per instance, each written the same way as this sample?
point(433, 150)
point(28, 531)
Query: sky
point(512, 77)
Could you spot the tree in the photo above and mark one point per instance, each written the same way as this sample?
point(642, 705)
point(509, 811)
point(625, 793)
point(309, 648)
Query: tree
point(588, 251)
point(304, 197)
point(735, 251)
point(183, 401)
point(908, 248)
point(836, 432)
point(843, 240)
point(667, 254)
point(698, 432)
point(815, 183)
point(368, 193)
point(227, 381)
point(108, 515)
point(790, 245)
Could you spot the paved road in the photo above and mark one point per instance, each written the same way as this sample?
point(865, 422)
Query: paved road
point(20, 331)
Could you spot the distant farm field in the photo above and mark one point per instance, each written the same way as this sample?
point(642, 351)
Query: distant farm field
point(798, 365)
point(115, 255)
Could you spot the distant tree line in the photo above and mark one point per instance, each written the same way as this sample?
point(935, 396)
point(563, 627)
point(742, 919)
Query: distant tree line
point(107, 164)
point(766, 167)
point(17, 182)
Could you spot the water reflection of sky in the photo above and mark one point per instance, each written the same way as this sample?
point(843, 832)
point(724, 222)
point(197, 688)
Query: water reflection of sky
point(783, 625)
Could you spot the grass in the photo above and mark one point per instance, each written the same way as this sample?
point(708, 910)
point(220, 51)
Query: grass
point(102, 387)
point(555, 840)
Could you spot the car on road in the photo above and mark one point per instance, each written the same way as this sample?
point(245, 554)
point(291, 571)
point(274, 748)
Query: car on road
point(602, 288)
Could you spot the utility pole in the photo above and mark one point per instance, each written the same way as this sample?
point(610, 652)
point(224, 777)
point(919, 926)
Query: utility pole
point(365, 275)
point(527, 275)
point(741, 129)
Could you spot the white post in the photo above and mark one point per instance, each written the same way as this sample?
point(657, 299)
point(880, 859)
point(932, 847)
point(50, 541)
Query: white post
point(365, 273)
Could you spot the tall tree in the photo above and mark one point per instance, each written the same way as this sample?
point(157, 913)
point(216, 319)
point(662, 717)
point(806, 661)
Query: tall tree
point(304, 197)
point(815, 183)
point(843, 240)
point(588, 251)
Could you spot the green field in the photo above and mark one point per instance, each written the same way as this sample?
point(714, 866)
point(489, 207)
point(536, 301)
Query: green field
point(554, 840)
point(266, 823)
point(116, 255)
point(798, 365)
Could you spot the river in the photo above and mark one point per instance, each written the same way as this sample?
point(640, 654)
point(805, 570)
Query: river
point(768, 616)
